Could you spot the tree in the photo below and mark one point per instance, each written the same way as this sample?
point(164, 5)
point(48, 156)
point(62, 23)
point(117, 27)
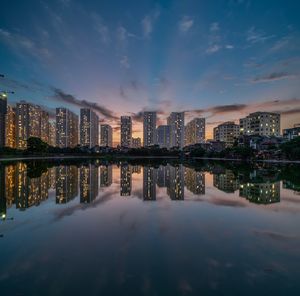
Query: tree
point(36, 145)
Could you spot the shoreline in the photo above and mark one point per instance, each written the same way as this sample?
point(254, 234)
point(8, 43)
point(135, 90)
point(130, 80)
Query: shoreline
point(3, 159)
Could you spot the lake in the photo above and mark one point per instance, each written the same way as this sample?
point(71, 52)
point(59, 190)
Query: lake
point(100, 228)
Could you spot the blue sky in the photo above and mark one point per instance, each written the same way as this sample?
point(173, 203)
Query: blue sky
point(220, 59)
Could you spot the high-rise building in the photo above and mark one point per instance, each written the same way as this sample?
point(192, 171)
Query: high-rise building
point(28, 123)
point(66, 128)
point(176, 122)
point(10, 127)
point(45, 126)
point(195, 131)
point(136, 143)
point(3, 110)
point(261, 123)
point(105, 135)
point(52, 134)
point(126, 131)
point(163, 134)
point(149, 129)
point(226, 132)
point(89, 128)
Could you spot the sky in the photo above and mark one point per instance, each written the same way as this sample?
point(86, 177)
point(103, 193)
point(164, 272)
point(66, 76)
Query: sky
point(218, 59)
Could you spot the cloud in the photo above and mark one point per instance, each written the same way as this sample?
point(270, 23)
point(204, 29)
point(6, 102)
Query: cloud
point(254, 36)
point(124, 62)
point(101, 28)
point(214, 27)
point(22, 44)
point(185, 24)
point(272, 77)
point(148, 22)
point(61, 96)
point(213, 48)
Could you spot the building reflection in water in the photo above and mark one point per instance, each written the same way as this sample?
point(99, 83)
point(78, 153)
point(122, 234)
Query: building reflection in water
point(25, 189)
point(149, 183)
point(30, 191)
point(66, 183)
point(2, 193)
point(136, 169)
point(226, 181)
point(106, 176)
point(126, 180)
point(261, 193)
point(163, 176)
point(89, 175)
point(176, 188)
point(195, 181)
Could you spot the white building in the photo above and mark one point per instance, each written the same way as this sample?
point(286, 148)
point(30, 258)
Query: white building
point(176, 123)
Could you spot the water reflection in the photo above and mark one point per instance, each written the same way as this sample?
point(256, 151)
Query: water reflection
point(23, 186)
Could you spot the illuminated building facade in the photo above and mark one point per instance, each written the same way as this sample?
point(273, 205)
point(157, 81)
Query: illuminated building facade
point(163, 134)
point(29, 123)
point(149, 129)
point(176, 123)
point(261, 123)
point(10, 127)
point(126, 131)
point(227, 132)
point(106, 135)
point(66, 128)
point(3, 110)
point(195, 131)
point(89, 128)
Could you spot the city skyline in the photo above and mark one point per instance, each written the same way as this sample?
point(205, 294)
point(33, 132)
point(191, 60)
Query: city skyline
point(164, 56)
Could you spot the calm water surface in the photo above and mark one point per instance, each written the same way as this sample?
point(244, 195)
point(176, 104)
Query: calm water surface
point(96, 229)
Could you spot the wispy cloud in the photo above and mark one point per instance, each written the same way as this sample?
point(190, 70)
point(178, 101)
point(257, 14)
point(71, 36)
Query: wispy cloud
point(124, 62)
point(257, 36)
point(148, 23)
point(61, 96)
point(215, 42)
point(273, 77)
point(185, 24)
point(22, 44)
point(101, 28)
